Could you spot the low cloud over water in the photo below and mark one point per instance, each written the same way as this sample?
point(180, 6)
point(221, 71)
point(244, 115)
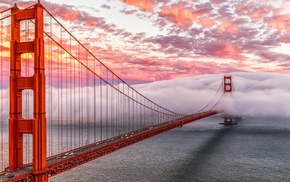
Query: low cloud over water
point(254, 94)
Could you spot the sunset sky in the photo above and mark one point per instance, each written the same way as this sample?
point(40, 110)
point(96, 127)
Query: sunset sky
point(150, 40)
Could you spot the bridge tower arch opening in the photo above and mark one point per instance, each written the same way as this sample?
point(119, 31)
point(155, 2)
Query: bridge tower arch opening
point(36, 126)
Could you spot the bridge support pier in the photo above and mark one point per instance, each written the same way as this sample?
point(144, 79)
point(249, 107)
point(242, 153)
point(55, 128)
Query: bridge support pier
point(35, 126)
point(229, 120)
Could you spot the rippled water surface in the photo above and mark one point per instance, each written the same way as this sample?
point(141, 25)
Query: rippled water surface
point(257, 149)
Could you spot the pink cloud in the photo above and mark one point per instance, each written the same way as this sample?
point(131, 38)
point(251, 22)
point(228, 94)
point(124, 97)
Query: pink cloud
point(146, 5)
point(280, 22)
point(2, 8)
point(271, 15)
point(130, 12)
point(255, 12)
point(228, 26)
point(105, 6)
point(285, 38)
point(226, 51)
point(223, 34)
point(73, 15)
point(216, 2)
point(184, 16)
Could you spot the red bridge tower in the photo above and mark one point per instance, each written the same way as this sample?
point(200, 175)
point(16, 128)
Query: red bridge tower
point(35, 126)
point(228, 88)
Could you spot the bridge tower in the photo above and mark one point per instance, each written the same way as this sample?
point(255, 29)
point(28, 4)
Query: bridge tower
point(228, 88)
point(35, 126)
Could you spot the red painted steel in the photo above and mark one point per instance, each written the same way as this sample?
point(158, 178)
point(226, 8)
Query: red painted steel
point(228, 86)
point(36, 125)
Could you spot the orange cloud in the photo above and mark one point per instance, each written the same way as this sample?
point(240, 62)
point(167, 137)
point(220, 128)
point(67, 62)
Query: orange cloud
point(259, 13)
point(184, 16)
point(70, 15)
point(227, 51)
point(206, 22)
point(147, 5)
point(228, 27)
point(216, 2)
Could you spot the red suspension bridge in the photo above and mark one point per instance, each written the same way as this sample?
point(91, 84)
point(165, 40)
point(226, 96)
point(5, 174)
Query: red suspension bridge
point(66, 107)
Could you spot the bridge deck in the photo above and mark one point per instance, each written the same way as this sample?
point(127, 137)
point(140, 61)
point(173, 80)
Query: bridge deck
point(68, 160)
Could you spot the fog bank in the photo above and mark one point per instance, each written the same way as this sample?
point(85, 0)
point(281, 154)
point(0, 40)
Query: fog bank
point(255, 94)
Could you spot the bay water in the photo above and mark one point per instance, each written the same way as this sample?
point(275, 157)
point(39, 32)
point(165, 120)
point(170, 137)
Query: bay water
point(256, 149)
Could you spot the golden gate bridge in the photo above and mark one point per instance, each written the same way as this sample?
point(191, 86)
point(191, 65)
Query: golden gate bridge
point(66, 107)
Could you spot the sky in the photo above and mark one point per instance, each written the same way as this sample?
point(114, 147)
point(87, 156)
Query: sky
point(153, 40)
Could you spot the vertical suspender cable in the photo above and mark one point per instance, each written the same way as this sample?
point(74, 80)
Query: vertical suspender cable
point(58, 102)
point(71, 96)
point(88, 100)
point(2, 98)
point(152, 114)
point(61, 95)
point(129, 109)
point(140, 111)
point(137, 112)
point(160, 110)
point(101, 104)
point(67, 107)
point(156, 113)
point(112, 109)
point(107, 104)
point(118, 109)
point(94, 106)
point(81, 108)
point(66, 94)
point(143, 114)
point(26, 91)
point(25, 73)
point(75, 102)
point(79, 93)
point(134, 110)
point(50, 93)
point(123, 110)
